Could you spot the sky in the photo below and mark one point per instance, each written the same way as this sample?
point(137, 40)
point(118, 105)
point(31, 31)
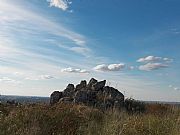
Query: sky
point(133, 44)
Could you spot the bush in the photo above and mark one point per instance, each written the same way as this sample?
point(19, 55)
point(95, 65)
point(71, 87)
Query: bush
point(134, 106)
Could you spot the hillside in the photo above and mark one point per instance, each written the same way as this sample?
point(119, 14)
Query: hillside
point(88, 109)
point(73, 119)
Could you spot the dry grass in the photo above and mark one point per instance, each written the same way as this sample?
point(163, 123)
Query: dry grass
point(68, 119)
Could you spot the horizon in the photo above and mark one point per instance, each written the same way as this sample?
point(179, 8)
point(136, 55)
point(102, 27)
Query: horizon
point(47, 44)
point(28, 96)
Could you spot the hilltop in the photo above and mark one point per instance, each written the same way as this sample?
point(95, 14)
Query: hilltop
point(89, 108)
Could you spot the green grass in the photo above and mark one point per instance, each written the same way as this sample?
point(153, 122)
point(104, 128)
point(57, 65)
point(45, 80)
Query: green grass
point(68, 119)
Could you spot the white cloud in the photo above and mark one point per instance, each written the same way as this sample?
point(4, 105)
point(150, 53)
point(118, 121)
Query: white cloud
point(18, 73)
point(8, 80)
point(168, 60)
point(13, 12)
point(101, 67)
point(62, 4)
point(174, 88)
point(111, 67)
point(40, 77)
point(154, 59)
point(152, 66)
point(116, 67)
point(14, 53)
point(149, 59)
point(32, 78)
point(81, 50)
point(46, 77)
point(73, 70)
point(154, 63)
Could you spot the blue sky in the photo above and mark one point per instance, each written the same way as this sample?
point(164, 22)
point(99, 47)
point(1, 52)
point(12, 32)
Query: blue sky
point(133, 44)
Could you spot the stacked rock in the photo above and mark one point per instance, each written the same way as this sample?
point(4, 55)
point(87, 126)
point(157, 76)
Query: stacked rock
point(93, 94)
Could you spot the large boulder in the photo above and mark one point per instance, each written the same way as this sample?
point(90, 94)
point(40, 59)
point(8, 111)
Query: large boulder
point(91, 83)
point(55, 96)
point(114, 96)
point(69, 91)
point(70, 86)
point(113, 93)
point(99, 85)
point(92, 97)
point(81, 97)
point(81, 86)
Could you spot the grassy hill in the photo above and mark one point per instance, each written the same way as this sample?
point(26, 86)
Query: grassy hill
point(71, 119)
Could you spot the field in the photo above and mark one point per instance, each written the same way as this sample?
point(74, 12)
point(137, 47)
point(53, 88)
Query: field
point(69, 119)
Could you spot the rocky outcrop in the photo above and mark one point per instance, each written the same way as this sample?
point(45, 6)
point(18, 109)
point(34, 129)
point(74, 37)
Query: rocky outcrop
point(93, 94)
point(98, 85)
point(69, 91)
point(113, 96)
point(81, 86)
point(55, 97)
point(91, 83)
point(81, 97)
point(113, 93)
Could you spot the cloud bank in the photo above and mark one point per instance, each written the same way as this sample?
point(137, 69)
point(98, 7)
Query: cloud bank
point(74, 70)
point(111, 67)
point(154, 59)
point(9, 80)
point(152, 66)
point(154, 63)
point(40, 77)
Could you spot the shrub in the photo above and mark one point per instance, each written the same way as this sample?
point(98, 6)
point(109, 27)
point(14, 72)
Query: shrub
point(134, 106)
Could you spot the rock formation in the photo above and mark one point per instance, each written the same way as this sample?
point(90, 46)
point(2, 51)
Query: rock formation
point(93, 94)
point(55, 97)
